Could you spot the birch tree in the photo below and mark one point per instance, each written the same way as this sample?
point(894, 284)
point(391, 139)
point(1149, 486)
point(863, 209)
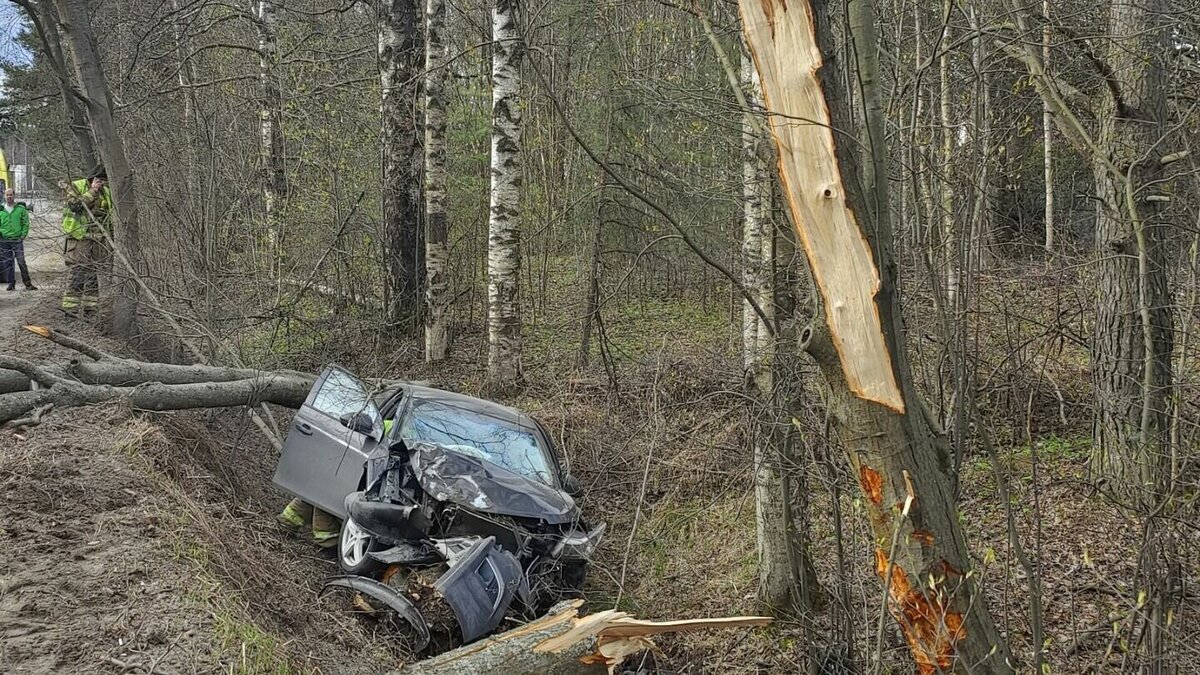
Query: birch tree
point(921, 553)
point(437, 287)
point(270, 121)
point(776, 573)
point(401, 55)
point(504, 221)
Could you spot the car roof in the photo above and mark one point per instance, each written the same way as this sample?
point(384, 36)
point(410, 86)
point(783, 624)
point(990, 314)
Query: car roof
point(470, 402)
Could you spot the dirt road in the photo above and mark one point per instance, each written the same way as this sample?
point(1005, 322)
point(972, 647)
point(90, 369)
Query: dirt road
point(44, 254)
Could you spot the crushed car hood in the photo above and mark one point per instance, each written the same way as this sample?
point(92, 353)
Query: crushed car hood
point(450, 476)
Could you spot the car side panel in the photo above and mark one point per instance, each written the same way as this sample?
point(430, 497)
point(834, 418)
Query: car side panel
point(316, 448)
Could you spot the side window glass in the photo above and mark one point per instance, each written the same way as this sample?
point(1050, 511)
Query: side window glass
point(341, 394)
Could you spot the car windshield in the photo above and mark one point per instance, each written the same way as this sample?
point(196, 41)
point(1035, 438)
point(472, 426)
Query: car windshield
point(479, 434)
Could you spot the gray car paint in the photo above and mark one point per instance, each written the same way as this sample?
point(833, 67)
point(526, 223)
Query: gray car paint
point(322, 460)
point(326, 464)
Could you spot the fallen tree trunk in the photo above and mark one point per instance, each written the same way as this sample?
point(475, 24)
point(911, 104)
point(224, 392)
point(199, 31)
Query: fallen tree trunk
point(562, 642)
point(99, 377)
point(13, 381)
point(60, 392)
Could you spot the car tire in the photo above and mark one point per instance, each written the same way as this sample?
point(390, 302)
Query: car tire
point(354, 545)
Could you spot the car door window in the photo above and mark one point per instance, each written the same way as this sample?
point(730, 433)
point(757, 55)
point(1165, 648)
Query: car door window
point(343, 394)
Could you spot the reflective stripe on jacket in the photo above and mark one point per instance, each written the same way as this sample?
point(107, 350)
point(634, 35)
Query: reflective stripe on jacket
point(75, 225)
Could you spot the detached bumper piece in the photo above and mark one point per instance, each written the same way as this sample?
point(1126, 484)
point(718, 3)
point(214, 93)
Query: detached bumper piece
point(394, 600)
point(480, 585)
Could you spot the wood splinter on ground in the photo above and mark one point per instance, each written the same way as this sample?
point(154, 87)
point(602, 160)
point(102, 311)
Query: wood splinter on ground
point(563, 642)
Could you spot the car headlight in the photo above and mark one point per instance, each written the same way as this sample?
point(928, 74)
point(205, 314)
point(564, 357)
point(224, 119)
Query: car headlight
point(579, 544)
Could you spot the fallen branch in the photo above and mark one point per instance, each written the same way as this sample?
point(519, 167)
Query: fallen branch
point(32, 420)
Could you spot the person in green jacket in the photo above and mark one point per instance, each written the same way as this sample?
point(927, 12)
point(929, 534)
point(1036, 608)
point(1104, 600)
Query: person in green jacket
point(87, 224)
point(14, 227)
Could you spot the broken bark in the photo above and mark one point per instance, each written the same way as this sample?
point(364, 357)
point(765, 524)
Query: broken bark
point(562, 642)
point(842, 263)
point(921, 553)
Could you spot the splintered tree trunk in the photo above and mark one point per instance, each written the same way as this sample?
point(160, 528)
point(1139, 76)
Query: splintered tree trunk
point(437, 252)
point(77, 26)
point(504, 254)
point(1131, 348)
point(270, 123)
point(921, 553)
point(777, 575)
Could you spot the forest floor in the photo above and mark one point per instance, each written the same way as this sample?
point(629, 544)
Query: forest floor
point(136, 543)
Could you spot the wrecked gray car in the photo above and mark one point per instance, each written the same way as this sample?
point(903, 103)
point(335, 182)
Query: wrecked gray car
point(430, 484)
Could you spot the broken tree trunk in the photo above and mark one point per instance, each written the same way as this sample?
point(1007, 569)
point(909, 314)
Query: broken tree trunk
point(98, 377)
point(562, 642)
point(921, 553)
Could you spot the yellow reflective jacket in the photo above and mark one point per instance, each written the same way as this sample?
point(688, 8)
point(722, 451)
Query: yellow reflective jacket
point(75, 217)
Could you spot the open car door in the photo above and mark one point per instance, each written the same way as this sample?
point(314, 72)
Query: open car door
point(338, 422)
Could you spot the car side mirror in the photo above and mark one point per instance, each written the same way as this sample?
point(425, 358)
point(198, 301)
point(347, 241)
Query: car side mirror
point(571, 484)
point(360, 422)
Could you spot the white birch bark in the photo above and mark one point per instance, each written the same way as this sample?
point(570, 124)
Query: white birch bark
point(1047, 125)
point(270, 113)
point(950, 243)
point(776, 576)
point(437, 288)
point(504, 256)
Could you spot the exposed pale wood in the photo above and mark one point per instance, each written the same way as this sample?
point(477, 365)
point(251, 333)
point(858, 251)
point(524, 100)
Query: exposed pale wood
point(562, 642)
point(921, 553)
point(779, 35)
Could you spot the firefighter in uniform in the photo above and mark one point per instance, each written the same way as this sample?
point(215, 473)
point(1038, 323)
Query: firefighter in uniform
point(299, 515)
point(88, 211)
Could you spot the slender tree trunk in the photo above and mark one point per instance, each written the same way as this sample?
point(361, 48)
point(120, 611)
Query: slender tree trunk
point(80, 128)
point(504, 224)
point(437, 252)
point(921, 553)
point(777, 575)
point(43, 14)
point(1047, 130)
point(401, 55)
point(591, 309)
point(1131, 348)
point(270, 124)
point(979, 248)
point(77, 26)
point(950, 234)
